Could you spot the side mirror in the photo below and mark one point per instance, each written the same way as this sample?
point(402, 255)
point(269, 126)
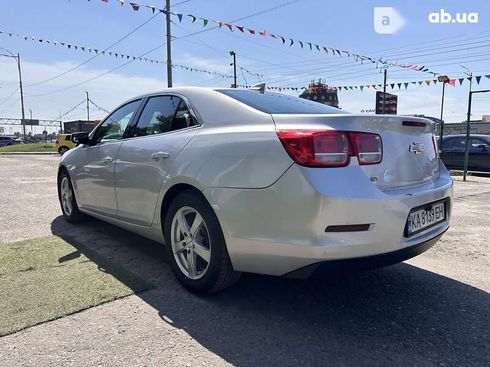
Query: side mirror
point(81, 138)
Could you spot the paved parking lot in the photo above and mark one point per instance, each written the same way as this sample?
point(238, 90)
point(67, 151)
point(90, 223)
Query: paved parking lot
point(430, 311)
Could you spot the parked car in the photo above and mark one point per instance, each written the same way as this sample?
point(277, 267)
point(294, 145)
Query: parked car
point(453, 151)
point(9, 140)
point(64, 143)
point(245, 181)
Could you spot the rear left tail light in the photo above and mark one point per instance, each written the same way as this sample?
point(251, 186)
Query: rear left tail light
point(320, 148)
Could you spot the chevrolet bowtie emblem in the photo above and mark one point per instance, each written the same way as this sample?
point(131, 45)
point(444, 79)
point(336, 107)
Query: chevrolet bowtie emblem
point(416, 148)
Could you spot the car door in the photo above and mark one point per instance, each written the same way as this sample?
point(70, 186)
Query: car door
point(94, 175)
point(479, 155)
point(166, 124)
point(453, 152)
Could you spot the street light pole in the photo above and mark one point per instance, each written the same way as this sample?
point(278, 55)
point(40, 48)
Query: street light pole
point(169, 44)
point(233, 53)
point(443, 79)
point(88, 108)
point(384, 89)
point(467, 144)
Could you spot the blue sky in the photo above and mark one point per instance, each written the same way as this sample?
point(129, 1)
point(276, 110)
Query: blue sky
point(346, 25)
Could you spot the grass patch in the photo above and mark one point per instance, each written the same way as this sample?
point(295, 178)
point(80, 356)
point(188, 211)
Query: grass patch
point(34, 147)
point(46, 278)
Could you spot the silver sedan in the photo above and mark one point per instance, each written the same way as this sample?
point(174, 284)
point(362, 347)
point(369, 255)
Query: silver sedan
point(245, 181)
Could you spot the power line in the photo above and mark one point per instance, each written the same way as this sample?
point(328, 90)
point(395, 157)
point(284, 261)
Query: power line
point(96, 55)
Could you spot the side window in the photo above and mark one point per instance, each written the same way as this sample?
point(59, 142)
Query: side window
point(478, 143)
point(163, 114)
point(68, 138)
point(114, 126)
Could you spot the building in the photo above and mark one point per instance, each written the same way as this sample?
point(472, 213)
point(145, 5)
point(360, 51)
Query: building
point(321, 93)
point(77, 126)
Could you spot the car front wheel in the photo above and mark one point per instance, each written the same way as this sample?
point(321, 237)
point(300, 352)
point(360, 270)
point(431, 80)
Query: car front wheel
point(196, 246)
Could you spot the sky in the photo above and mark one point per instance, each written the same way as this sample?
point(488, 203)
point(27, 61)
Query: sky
point(345, 25)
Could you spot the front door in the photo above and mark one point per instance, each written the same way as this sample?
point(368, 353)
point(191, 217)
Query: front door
point(165, 126)
point(94, 175)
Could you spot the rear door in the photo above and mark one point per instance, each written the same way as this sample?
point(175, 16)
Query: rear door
point(94, 174)
point(164, 127)
point(452, 152)
point(479, 154)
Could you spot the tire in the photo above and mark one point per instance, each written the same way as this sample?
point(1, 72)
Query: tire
point(68, 202)
point(62, 150)
point(199, 276)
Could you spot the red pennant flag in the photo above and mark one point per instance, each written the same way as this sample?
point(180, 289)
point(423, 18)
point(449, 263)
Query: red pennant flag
point(240, 28)
point(263, 33)
point(230, 27)
point(452, 82)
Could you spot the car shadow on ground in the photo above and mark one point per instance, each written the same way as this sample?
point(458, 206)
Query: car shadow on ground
point(399, 315)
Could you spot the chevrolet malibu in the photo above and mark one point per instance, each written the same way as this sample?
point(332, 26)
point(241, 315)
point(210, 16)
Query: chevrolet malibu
point(238, 181)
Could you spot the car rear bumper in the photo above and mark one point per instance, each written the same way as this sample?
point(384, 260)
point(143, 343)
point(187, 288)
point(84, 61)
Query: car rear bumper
point(282, 228)
point(362, 263)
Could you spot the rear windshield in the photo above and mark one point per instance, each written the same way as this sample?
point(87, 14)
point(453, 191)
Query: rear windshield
point(277, 103)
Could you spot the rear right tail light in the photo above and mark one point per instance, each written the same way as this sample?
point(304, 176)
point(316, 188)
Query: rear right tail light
point(320, 148)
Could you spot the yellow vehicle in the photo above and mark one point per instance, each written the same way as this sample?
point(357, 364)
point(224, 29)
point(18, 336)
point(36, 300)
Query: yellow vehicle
point(63, 143)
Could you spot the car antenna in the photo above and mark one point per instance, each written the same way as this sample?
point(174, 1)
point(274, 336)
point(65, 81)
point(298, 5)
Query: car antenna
point(259, 87)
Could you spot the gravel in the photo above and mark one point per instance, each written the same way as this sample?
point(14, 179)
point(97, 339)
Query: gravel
point(432, 310)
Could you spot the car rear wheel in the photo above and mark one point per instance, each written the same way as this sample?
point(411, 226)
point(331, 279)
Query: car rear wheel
point(62, 150)
point(67, 199)
point(196, 246)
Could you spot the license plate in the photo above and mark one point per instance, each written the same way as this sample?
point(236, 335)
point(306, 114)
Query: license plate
point(428, 216)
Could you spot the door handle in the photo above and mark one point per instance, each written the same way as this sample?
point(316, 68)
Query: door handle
point(107, 160)
point(159, 155)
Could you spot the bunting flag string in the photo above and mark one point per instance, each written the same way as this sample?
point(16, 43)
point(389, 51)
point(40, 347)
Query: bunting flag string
point(104, 52)
point(377, 87)
point(285, 41)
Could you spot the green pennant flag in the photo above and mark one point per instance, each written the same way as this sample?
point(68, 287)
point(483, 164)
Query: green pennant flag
point(361, 87)
point(204, 22)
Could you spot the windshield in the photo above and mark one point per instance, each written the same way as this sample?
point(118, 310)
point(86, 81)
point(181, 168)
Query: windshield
point(277, 103)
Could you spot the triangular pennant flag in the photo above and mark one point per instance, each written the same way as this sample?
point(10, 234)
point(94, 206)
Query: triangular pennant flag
point(406, 85)
point(180, 17)
point(361, 87)
point(230, 27)
point(452, 82)
point(301, 43)
point(121, 2)
point(135, 6)
point(263, 33)
point(83, 48)
point(193, 17)
point(309, 44)
point(240, 28)
point(487, 76)
point(338, 51)
point(152, 8)
point(251, 31)
point(204, 22)
point(392, 85)
point(317, 47)
point(469, 78)
point(427, 82)
point(435, 81)
point(325, 49)
point(478, 77)
point(68, 45)
point(461, 80)
point(399, 85)
point(291, 41)
point(420, 83)
point(282, 39)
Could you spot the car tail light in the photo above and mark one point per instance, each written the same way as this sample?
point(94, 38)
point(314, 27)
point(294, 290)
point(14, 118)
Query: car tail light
point(414, 123)
point(368, 147)
point(320, 148)
point(434, 144)
point(314, 148)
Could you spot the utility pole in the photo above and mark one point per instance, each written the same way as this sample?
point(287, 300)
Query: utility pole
point(88, 108)
point(21, 97)
point(384, 89)
point(233, 53)
point(169, 45)
point(10, 54)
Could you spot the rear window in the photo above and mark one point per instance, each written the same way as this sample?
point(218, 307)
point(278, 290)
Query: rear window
point(68, 138)
point(278, 103)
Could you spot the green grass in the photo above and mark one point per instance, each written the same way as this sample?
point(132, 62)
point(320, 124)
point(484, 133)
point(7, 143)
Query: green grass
point(32, 147)
point(46, 278)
